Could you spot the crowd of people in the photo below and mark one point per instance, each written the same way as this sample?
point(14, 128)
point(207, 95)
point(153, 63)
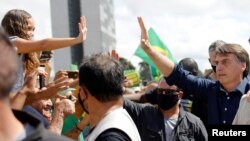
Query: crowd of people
point(97, 106)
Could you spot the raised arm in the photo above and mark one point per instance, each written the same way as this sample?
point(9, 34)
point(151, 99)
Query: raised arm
point(165, 65)
point(29, 87)
point(27, 46)
point(63, 108)
point(140, 98)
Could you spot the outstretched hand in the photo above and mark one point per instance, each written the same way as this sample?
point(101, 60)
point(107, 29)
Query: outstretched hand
point(82, 29)
point(50, 91)
point(65, 106)
point(29, 86)
point(144, 36)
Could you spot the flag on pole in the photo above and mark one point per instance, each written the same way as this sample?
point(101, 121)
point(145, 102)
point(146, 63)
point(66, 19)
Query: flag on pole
point(156, 43)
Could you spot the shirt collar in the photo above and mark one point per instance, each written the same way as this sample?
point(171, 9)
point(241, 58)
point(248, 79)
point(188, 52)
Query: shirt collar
point(182, 112)
point(241, 87)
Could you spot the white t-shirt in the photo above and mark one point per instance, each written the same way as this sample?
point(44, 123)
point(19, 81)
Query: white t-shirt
point(20, 74)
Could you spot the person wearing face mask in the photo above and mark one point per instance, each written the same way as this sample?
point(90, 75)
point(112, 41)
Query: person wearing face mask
point(222, 97)
point(167, 121)
point(100, 94)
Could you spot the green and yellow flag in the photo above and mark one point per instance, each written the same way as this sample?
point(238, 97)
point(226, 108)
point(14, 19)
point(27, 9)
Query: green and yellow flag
point(156, 43)
point(133, 76)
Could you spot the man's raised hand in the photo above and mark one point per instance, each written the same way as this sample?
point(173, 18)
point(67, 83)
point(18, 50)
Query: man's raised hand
point(144, 36)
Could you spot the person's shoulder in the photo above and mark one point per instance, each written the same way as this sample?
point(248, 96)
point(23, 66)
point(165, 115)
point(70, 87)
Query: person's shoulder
point(188, 114)
point(129, 103)
point(12, 38)
point(48, 136)
point(244, 100)
point(244, 97)
point(38, 131)
point(191, 117)
point(113, 134)
point(43, 134)
point(33, 112)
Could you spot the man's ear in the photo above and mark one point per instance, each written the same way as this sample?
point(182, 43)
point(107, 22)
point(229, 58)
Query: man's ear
point(83, 93)
point(244, 66)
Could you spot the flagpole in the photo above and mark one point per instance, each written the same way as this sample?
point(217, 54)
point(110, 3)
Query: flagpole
point(131, 57)
point(151, 72)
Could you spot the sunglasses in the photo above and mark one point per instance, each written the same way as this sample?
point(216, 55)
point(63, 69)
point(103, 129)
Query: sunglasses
point(167, 91)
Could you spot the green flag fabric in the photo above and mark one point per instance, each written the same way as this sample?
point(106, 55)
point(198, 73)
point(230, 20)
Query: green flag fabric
point(156, 43)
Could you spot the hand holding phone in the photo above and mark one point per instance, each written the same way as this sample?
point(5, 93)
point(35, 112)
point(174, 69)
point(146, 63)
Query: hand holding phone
point(41, 77)
point(73, 74)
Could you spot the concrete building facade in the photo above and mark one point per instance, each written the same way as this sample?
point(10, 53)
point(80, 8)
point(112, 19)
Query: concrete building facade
point(100, 23)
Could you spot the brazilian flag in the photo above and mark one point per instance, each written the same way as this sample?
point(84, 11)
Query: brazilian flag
point(156, 43)
point(133, 76)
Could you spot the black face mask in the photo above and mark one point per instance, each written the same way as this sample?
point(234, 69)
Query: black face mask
point(167, 98)
point(214, 68)
point(82, 104)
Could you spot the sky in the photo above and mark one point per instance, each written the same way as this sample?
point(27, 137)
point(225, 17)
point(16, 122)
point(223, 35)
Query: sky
point(187, 27)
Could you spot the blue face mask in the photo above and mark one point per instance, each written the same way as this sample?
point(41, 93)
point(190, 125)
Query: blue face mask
point(167, 98)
